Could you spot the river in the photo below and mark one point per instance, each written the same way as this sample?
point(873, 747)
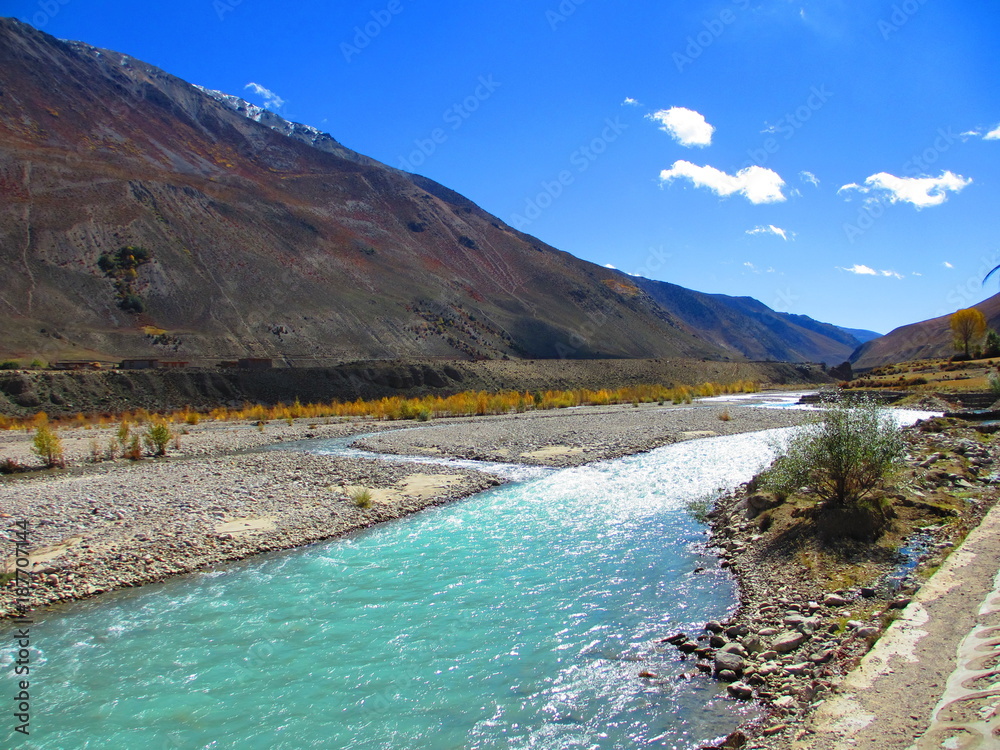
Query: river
point(518, 618)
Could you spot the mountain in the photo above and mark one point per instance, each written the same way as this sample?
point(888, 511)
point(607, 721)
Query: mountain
point(145, 216)
point(928, 339)
point(862, 335)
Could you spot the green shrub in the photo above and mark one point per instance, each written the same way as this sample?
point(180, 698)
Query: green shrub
point(843, 458)
point(156, 438)
point(10, 364)
point(47, 445)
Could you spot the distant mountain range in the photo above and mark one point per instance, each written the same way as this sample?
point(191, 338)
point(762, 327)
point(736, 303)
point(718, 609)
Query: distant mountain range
point(145, 216)
point(927, 339)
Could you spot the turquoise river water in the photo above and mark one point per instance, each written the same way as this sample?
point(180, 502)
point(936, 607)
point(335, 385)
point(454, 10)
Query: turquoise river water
point(518, 618)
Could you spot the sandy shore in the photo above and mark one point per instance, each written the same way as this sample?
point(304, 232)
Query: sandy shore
point(96, 527)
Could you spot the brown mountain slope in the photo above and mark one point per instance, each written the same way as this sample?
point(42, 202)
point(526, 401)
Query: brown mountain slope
point(272, 239)
point(925, 340)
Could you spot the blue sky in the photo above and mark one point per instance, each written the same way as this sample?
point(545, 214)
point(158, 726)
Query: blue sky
point(830, 158)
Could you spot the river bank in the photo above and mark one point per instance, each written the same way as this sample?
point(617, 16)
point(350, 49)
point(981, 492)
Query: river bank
point(811, 610)
point(216, 497)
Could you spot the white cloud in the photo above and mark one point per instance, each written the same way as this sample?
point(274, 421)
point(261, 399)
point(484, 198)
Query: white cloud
point(271, 99)
point(862, 270)
point(771, 229)
point(920, 191)
point(753, 269)
point(687, 127)
point(630, 102)
point(608, 265)
point(810, 178)
point(993, 135)
point(946, 264)
point(756, 184)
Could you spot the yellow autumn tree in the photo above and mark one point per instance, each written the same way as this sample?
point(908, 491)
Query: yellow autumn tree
point(967, 327)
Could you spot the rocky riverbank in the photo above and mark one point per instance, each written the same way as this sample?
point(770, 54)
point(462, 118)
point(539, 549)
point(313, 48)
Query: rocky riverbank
point(810, 610)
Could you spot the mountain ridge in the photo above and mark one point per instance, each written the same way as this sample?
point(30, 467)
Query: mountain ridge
point(271, 243)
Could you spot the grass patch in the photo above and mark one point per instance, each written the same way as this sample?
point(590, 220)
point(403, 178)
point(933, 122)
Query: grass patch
point(362, 497)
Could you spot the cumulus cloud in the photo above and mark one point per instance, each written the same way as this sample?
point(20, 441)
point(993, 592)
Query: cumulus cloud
point(756, 184)
point(687, 127)
point(862, 270)
point(993, 135)
point(271, 99)
point(771, 229)
point(630, 102)
point(810, 178)
point(919, 191)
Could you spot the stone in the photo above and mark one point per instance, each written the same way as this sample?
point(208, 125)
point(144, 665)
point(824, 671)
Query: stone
point(867, 632)
point(727, 675)
point(647, 675)
point(798, 669)
point(688, 647)
point(740, 690)
point(822, 657)
point(676, 639)
point(900, 602)
point(734, 648)
point(769, 655)
point(768, 632)
point(789, 641)
point(753, 644)
point(834, 600)
point(713, 626)
point(727, 660)
point(786, 703)
point(717, 641)
point(809, 625)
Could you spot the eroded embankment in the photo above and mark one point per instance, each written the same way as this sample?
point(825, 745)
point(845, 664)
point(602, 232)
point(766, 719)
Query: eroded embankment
point(68, 392)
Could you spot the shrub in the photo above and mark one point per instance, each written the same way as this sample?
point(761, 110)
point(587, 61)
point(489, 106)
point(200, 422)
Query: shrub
point(843, 458)
point(362, 497)
point(48, 446)
point(133, 451)
point(156, 438)
point(994, 381)
point(10, 364)
point(10, 466)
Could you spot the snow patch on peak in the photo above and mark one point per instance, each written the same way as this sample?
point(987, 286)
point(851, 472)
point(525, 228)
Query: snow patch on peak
point(303, 133)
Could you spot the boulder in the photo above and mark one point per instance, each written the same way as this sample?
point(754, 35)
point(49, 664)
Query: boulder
point(834, 600)
point(727, 660)
point(788, 641)
point(740, 690)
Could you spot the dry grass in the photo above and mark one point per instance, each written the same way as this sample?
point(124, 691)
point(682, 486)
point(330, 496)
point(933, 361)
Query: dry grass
point(462, 404)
